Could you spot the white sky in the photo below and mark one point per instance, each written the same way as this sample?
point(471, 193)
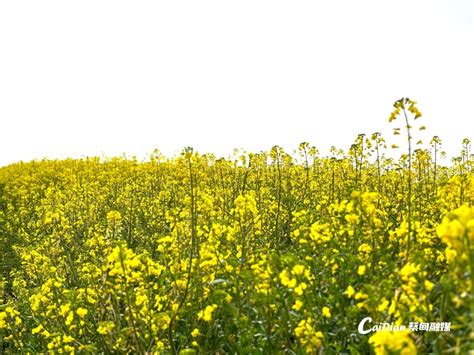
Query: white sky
point(111, 77)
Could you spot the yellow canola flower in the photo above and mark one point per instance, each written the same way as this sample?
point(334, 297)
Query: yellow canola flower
point(286, 280)
point(428, 285)
point(387, 342)
point(245, 205)
point(408, 270)
point(206, 314)
point(297, 306)
point(64, 309)
point(69, 318)
point(299, 290)
point(298, 269)
point(114, 217)
point(326, 312)
point(361, 270)
point(455, 225)
point(383, 305)
point(46, 334)
point(350, 291)
point(450, 254)
point(365, 248)
point(308, 337)
point(68, 339)
point(3, 323)
point(37, 329)
point(352, 218)
point(394, 114)
point(320, 232)
point(105, 327)
point(81, 312)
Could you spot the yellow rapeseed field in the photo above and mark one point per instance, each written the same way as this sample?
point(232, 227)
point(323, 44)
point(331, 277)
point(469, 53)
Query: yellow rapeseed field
point(257, 254)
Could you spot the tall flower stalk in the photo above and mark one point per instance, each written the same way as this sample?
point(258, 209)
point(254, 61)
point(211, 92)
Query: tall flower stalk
point(402, 106)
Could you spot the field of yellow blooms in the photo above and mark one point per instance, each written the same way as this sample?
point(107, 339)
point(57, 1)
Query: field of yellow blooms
point(257, 254)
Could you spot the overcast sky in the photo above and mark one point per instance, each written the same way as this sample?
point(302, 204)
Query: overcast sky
point(110, 77)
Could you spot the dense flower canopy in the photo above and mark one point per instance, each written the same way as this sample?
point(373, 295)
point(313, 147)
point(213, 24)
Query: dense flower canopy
point(258, 253)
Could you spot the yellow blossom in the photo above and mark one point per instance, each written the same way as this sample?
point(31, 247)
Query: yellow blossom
point(297, 306)
point(81, 312)
point(206, 313)
point(350, 291)
point(384, 342)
